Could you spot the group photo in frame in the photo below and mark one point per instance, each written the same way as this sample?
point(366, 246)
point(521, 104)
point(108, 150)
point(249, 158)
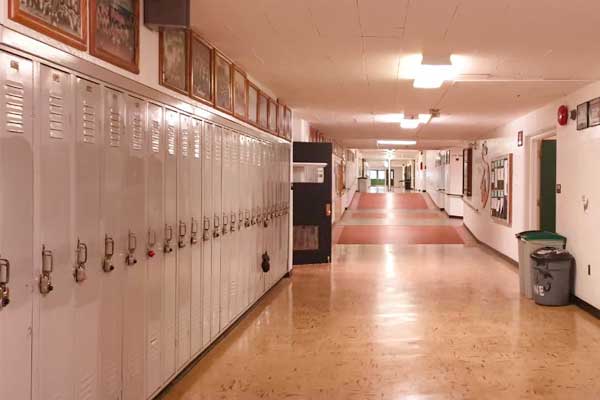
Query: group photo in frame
point(272, 125)
point(263, 111)
point(67, 24)
point(173, 59)
point(223, 92)
point(594, 112)
point(252, 104)
point(201, 70)
point(240, 93)
point(582, 116)
point(115, 32)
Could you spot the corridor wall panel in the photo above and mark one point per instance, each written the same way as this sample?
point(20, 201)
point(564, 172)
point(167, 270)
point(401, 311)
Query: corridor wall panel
point(132, 232)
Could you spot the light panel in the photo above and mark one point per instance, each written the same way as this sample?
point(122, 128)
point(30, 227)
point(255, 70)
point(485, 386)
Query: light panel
point(397, 142)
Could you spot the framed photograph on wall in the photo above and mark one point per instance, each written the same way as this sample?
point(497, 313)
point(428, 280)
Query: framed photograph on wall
point(68, 26)
point(173, 59)
point(272, 116)
point(240, 93)
point(263, 111)
point(201, 70)
point(582, 116)
point(594, 112)
point(501, 189)
point(280, 119)
point(223, 95)
point(288, 123)
point(115, 32)
point(252, 103)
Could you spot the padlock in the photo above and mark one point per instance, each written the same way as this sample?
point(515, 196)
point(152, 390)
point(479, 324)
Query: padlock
point(80, 274)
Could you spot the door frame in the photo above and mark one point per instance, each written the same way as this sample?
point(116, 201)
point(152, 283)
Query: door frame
point(535, 148)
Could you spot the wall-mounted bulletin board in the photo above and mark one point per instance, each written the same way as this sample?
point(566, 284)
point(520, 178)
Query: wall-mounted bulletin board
point(501, 189)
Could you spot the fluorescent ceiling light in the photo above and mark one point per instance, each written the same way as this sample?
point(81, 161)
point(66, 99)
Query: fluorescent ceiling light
point(397, 142)
point(409, 123)
point(424, 118)
point(389, 118)
point(433, 73)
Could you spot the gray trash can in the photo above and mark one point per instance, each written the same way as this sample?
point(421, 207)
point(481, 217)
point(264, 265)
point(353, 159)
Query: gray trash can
point(552, 276)
point(530, 241)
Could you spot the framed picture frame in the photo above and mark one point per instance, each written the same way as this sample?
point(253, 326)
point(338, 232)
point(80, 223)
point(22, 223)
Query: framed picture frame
point(582, 116)
point(69, 28)
point(115, 32)
point(272, 118)
point(288, 123)
point(201, 69)
point(263, 111)
point(594, 112)
point(223, 92)
point(252, 113)
point(240, 93)
point(501, 189)
point(280, 118)
point(173, 59)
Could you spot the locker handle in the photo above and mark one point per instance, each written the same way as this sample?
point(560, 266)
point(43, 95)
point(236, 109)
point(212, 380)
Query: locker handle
point(232, 219)
point(194, 231)
point(247, 222)
point(205, 236)
point(168, 237)
point(131, 247)
point(216, 233)
point(151, 238)
point(182, 233)
point(4, 280)
point(225, 223)
point(45, 284)
point(80, 274)
point(109, 251)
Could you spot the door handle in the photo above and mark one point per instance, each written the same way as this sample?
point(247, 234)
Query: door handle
point(4, 281)
point(328, 210)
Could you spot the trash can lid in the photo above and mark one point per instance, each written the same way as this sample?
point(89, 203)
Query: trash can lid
point(540, 235)
point(546, 254)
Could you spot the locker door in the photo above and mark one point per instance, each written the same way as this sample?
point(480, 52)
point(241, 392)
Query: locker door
point(170, 277)
point(196, 328)
point(258, 231)
point(16, 226)
point(226, 238)
point(114, 235)
point(217, 229)
point(207, 232)
point(184, 255)
point(155, 271)
point(88, 173)
point(56, 239)
point(235, 225)
point(244, 196)
point(135, 259)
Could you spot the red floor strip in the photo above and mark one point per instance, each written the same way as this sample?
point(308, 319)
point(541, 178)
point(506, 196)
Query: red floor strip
point(368, 234)
point(391, 201)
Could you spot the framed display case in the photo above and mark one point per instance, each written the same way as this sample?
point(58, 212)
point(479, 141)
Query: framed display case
point(501, 189)
point(201, 70)
point(223, 92)
point(173, 59)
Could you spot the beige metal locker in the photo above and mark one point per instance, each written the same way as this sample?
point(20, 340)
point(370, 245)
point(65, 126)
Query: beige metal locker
point(218, 222)
point(224, 286)
point(184, 254)
point(16, 226)
point(208, 232)
point(196, 328)
point(233, 248)
point(169, 355)
point(245, 200)
point(114, 231)
point(155, 270)
point(135, 260)
point(57, 244)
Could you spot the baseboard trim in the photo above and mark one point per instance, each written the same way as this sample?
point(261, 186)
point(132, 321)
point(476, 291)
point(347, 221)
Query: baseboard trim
point(493, 250)
point(587, 307)
point(455, 216)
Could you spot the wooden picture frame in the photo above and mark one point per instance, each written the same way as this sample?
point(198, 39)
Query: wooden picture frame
point(280, 119)
point(594, 112)
point(101, 36)
point(173, 70)
point(288, 124)
point(240, 93)
point(272, 116)
point(252, 113)
point(263, 111)
point(33, 17)
point(201, 70)
point(501, 188)
point(223, 83)
point(582, 116)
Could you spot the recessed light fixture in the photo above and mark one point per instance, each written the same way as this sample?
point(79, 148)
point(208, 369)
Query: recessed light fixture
point(433, 72)
point(424, 118)
point(410, 123)
point(390, 118)
point(396, 142)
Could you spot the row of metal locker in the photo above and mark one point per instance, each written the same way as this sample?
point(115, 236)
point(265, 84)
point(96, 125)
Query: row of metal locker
point(131, 235)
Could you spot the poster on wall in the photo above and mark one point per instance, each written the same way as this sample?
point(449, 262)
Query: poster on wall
point(173, 61)
point(65, 21)
point(240, 93)
point(223, 97)
point(501, 189)
point(115, 32)
point(201, 60)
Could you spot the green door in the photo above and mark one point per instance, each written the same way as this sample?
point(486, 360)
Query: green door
point(548, 186)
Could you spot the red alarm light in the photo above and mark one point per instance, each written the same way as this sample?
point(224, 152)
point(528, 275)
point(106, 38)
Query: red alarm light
point(563, 115)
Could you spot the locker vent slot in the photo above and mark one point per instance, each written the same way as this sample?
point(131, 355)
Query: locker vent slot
point(115, 128)
point(185, 139)
point(155, 136)
point(56, 115)
point(15, 95)
point(137, 136)
point(88, 123)
point(197, 139)
point(171, 139)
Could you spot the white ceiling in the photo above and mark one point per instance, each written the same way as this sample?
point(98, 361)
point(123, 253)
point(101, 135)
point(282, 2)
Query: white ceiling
point(338, 63)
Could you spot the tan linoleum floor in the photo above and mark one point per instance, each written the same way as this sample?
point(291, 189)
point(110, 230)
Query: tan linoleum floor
point(422, 322)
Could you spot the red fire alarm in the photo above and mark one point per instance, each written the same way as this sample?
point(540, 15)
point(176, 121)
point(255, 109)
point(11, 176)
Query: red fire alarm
point(563, 115)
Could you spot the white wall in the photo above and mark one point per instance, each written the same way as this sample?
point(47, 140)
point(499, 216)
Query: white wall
point(300, 130)
point(420, 174)
point(434, 178)
point(453, 183)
